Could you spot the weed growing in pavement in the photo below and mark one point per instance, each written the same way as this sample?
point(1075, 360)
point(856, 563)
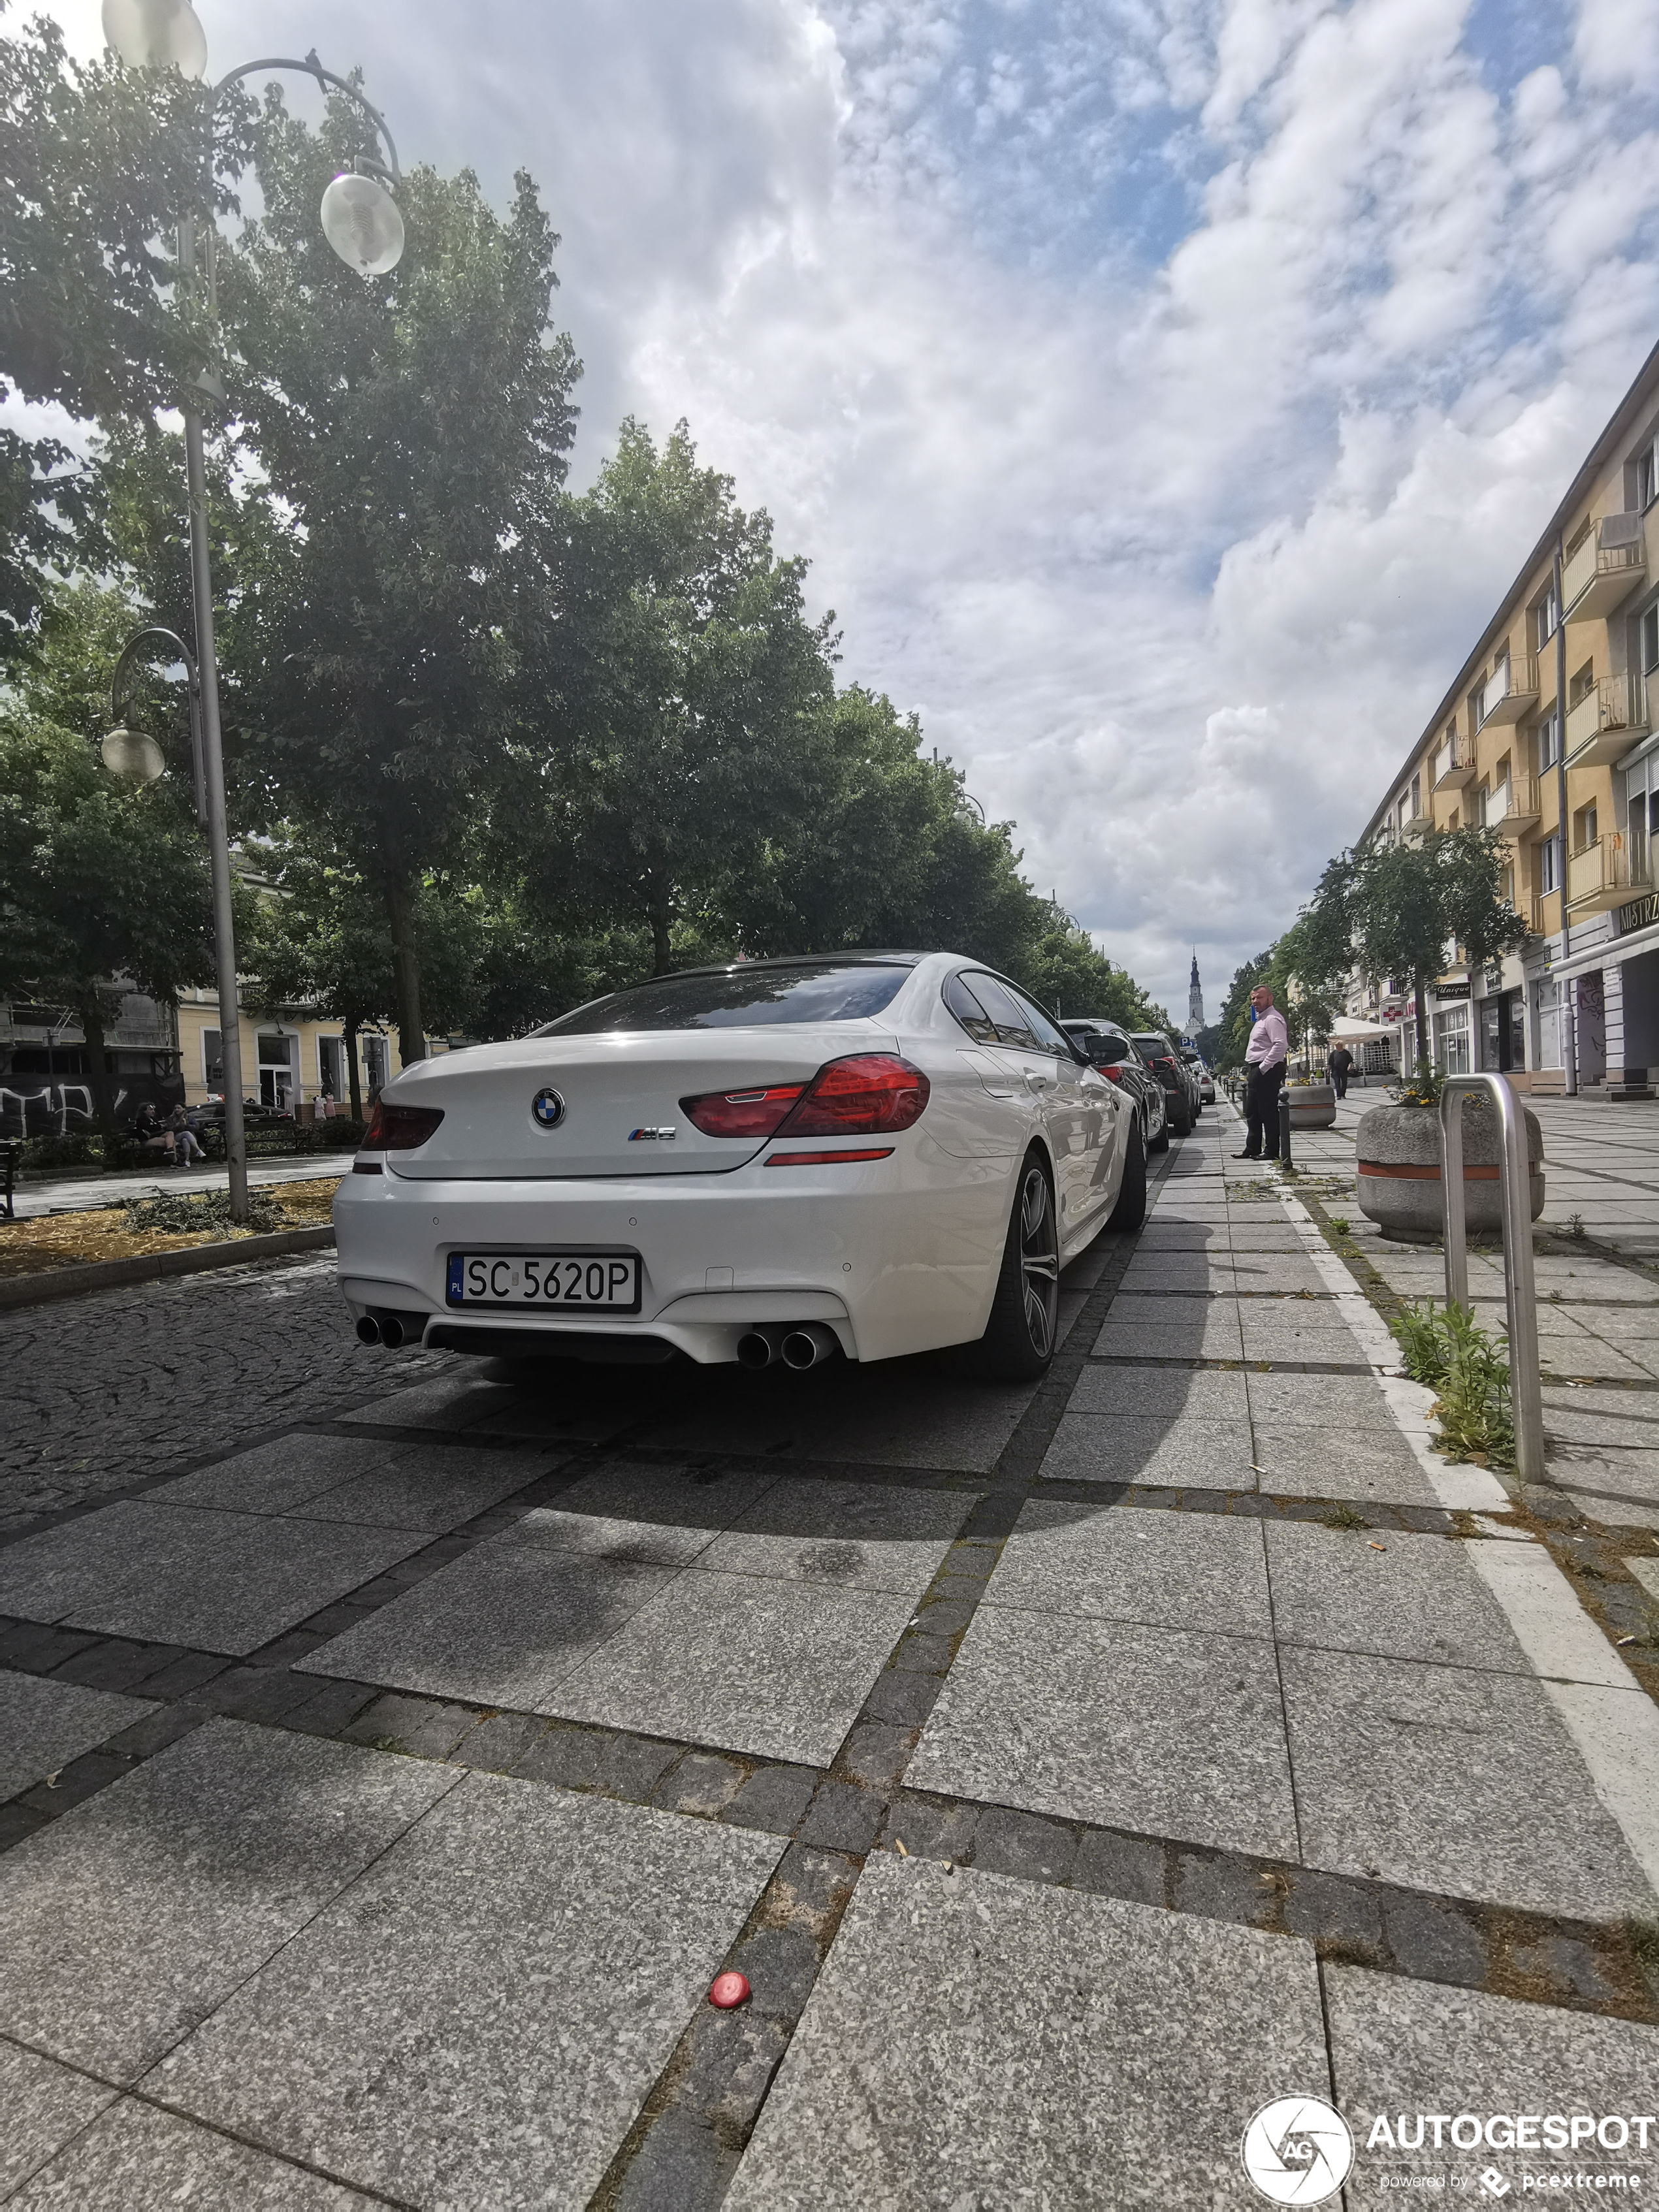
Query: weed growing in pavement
point(1340, 1222)
point(1446, 1347)
point(179, 1213)
point(1575, 1225)
point(1344, 1516)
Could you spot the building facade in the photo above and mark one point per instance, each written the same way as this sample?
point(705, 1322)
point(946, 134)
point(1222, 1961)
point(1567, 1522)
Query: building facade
point(288, 1060)
point(1548, 735)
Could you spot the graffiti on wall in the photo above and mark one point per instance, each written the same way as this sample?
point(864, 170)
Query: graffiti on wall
point(31, 1108)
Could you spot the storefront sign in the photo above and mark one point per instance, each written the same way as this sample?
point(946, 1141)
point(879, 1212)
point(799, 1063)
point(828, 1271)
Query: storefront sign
point(1447, 991)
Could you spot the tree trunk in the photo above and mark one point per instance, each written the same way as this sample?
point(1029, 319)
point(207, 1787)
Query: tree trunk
point(1425, 1041)
point(354, 1078)
point(103, 1095)
point(660, 953)
point(405, 973)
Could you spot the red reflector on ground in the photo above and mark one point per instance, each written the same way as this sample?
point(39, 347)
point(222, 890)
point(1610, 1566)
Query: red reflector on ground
point(727, 1990)
point(827, 1159)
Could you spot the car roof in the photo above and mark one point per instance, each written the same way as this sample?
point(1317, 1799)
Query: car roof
point(859, 956)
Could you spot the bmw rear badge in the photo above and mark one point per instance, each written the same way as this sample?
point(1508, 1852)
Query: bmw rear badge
point(548, 1108)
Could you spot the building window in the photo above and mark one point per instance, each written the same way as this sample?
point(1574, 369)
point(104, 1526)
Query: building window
point(376, 1061)
point(1583, 828)
point(1549, 740)
point(330, 1065)
point(1641, 482)
point(1582, 685)
point(1649, 640)
point(1544, 614)
point(213, 1059)
point(1549, 865)
point(1417, 796)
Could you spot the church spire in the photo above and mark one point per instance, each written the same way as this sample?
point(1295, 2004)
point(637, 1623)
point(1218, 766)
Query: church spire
point(1194, 999)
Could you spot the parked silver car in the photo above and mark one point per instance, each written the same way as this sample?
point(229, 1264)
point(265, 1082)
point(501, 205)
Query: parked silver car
point(1112, 1054)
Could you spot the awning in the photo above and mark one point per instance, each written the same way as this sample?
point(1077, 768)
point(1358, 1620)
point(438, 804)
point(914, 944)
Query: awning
point(1347, 1032)
point(1611, 952)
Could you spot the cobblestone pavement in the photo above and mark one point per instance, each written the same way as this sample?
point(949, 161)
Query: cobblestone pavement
point(1071, 1772)
point(105, 1390)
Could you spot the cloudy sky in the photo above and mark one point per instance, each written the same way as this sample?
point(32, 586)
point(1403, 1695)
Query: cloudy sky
point(1163, 391)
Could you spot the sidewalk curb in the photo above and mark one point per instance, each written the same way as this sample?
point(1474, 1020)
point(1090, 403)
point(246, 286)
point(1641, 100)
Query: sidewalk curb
point(154, 1266)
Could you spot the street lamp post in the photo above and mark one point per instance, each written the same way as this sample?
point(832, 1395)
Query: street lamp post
point(360, 221)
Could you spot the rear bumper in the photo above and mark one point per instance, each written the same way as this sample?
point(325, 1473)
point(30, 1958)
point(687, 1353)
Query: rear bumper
point(897, 1256)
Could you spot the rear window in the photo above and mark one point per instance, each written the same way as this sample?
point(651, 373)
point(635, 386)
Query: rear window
point(740, 998)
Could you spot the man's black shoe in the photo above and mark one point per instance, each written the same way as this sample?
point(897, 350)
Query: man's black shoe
point(1247, 1156)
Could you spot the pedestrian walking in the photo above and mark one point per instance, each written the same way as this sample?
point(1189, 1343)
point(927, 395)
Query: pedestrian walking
point(1264, 1060)
point(1340, 1062)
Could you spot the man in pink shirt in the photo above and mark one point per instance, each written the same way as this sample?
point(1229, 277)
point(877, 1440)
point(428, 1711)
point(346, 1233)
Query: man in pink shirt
point(1264, 1062)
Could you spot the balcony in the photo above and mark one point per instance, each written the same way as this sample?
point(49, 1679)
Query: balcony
point(1605, 568)
point(1513, 806)
point(1451, 765)
point(1603, 876)
point(1605, 723)
point(1510, 691)
point(1539, 922)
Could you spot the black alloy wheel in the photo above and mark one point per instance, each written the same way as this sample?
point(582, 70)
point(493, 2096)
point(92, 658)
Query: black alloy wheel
point(1018, 1343)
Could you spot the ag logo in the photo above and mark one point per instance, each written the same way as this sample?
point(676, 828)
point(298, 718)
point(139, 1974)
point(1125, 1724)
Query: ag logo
point(1297, 2150)
point(548, 1108)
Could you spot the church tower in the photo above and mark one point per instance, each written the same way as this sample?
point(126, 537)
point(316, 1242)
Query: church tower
point(1194, 1000)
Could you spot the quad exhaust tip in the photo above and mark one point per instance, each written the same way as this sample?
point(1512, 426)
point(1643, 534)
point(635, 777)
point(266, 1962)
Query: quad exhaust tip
point(385, 1325)
point(800, 1347)
point(368, 1329)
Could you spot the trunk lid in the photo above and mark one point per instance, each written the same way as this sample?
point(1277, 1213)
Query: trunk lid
point(610, 1088)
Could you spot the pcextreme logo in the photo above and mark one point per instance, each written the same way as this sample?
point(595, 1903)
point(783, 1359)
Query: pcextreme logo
point(1297, 2150)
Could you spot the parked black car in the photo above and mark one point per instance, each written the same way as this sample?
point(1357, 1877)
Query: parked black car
point(1110, 1052)
point(1180, 1083)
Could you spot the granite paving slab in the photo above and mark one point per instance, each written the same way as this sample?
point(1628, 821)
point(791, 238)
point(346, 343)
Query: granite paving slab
point(44, 2105)
point(1211, 1334)
point(1363, 1465)
point(1198, 1570)
point(1614, 1470)
point(1279, 1273)
point(855, 1535)
point(276, 1478)
point(1058, 2050)
point(135, 2157)
point(1196, 1273)
point(129, 1918)
point(1399, 2046)
point(1450, 1779)
point(434, 1487)
point(183, 1574)
point(775, 1668)
point(454, 1401)
point(1292, 1332)
point(946, 1421)
point(1399, 1595)
point(1171, 1454)
point(1205, 1394)
point(506, 1623)
point(43, 1724)
point(1336, 1403)
point(476, 2021)
point(1160, 1730)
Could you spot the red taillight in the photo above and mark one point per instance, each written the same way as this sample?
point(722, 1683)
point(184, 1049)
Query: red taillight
point(868, 1094)
point(865, 1095)
point(400, 1129)
point(1112, 1068)
point(742, 1113)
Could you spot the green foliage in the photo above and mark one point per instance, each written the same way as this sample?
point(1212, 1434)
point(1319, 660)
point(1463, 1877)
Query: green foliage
point(1424, 1086)
point(181, 1213)
point(97, 164)
point(1445, 1348)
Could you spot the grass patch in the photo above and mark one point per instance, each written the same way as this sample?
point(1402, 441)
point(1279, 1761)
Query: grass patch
point(1344, 1516)
point(47, 1242)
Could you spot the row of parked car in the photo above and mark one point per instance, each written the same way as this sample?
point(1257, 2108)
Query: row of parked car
point(1169, 1082)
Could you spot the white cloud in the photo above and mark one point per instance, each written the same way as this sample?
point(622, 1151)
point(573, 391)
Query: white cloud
point(1163, 389)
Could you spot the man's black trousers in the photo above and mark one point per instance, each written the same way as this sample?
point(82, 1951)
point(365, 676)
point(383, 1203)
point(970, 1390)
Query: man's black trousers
point(1262, 1090)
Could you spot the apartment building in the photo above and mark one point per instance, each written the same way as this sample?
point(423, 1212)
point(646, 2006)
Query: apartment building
point(1548, 735)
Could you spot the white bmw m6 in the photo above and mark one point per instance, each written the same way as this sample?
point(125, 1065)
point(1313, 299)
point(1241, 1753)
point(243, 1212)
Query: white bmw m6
point(870, 1152)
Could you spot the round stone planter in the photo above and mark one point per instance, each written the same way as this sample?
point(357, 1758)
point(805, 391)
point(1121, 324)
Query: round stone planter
point(1400, 1158)
point(1313, 1105)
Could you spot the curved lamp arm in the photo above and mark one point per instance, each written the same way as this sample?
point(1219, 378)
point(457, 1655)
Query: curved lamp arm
point(312, 67)
point(154, 634)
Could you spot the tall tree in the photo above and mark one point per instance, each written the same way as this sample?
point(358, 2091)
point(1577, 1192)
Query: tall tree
point(99, 882)
point(97, 166)
point(411, 433)
point(685, 694)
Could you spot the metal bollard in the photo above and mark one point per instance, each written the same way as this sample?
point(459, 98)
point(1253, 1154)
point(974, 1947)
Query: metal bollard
point(1515, 1193)
point(1285, 1159)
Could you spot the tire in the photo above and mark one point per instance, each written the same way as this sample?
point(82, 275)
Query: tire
point(1018, 1343)
point(1130, 1208)
point(1161, 1142)
point(1179, 1114)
